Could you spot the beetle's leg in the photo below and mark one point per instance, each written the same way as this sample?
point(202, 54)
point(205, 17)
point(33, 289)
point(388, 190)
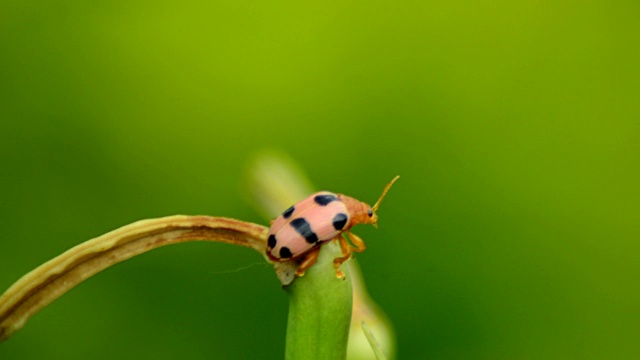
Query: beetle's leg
point(355, 240)
point(346, 254)
point(308, 261)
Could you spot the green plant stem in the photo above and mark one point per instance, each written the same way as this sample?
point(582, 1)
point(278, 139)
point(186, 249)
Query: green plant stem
point(319, 311)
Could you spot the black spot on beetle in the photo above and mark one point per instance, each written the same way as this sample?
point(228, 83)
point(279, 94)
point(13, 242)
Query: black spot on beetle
point(272, 241)
point(285, 253)
point(370, 213)
point(287, 213)
point(303, 228)
point(339, 221)
point(324, 199)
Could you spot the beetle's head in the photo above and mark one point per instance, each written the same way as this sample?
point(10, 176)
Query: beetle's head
point(371, 216)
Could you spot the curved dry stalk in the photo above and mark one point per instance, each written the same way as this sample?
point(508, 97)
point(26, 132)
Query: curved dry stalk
point(52, 279)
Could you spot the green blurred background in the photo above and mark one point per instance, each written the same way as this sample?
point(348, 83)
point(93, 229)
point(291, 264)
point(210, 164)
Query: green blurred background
point(512, 234)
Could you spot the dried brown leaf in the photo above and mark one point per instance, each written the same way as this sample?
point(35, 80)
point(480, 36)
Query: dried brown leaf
point(52, 279)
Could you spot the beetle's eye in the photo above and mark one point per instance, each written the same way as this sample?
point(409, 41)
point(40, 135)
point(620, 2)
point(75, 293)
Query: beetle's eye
point(370, 213)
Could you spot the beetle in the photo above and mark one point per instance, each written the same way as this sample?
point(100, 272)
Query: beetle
point(299, 232)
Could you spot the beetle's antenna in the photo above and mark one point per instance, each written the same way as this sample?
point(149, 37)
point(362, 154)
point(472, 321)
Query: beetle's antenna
point(384, 192)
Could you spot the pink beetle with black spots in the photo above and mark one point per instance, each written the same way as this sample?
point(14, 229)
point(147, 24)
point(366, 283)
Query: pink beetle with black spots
point(300, 230)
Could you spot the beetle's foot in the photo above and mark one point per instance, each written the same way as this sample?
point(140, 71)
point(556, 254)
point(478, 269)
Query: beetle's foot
point(300, 273)
point(308, 262)
point(337, 262)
